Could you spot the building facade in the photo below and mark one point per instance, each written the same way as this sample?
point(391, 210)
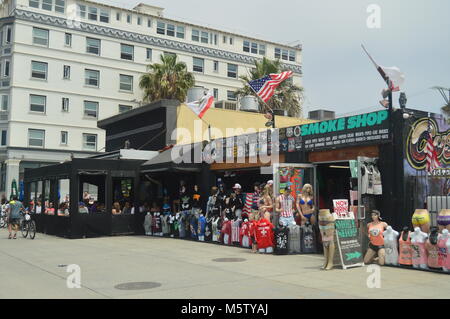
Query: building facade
point(66, 64)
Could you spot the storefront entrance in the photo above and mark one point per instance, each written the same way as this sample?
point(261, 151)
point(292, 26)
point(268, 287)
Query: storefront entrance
point(334, 181)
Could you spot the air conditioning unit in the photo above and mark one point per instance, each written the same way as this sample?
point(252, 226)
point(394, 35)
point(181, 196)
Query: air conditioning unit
point(249, 103)
point(321, 115)
point(227, 105)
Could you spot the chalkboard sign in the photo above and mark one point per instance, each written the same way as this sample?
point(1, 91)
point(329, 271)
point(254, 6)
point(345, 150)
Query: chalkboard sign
point(349, 247)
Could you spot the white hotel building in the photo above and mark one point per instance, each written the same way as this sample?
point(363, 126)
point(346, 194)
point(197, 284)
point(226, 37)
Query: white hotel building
point(66, 64)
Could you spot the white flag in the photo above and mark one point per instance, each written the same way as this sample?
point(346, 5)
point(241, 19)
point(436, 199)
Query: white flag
point(200, 107)
point(395, 76)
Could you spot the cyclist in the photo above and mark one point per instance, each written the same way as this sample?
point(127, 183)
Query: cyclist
point(13, 210)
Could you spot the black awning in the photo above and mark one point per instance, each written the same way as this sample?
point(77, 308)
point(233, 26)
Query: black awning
point(185, 158)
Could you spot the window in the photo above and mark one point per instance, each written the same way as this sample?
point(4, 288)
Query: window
point(198, 65)
point(125, 108)
point(292, 56)
point(204, 37)
point(5, 102)
point(215, 39)
point(104, 16)
point(36, 138)
point(246, 47)
point(90, 141)
point(93, 46)
point(170, 30)
point(231, 96)
point(231, 40)
point(40, 36)
point(216, 66)
point(254, 48)
point(161, 28)
point(126, 52)
point(66, 72)
point(118, 16)
point(4, 132)
point(262, 49)
point(139, 21)
point(149, 53)
point(180, 32)
point(38, 103)
point(64, 137)
point(8, 35)
point(65, 104)
point(224, 39)
point(195, 35)
point(81, 10)
point(149, 23)
point(126, 82)
point(284, 54)
point(68, 39)
point(277, 53)
point(216, 94)
point(128, 18)
point(93, 14)
point(47, 5)
point(6, 69)
point(232, 70)
point(34, 3)
point(39, 70)
point(60, 6)
point(90, 109)
point(92, 78)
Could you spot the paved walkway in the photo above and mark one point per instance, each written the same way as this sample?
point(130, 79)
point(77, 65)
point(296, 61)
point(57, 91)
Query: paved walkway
point(185, 269)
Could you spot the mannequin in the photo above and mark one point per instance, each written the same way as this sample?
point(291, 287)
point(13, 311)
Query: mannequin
point(444, 247)
point(419, 256)
point(148, 224)
point(264, 236)
point(405, 249)
point(326, 226)
point(432, 249)
point(443, 220)
point(305, 205)
point(390, 244)
point(201, 227)
point(421, 218)
point(375, 234)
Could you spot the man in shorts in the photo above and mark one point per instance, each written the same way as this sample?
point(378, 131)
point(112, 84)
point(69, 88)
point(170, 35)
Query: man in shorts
point(285, 207)
point(13, 211)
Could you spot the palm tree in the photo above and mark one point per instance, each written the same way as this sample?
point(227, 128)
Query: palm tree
point(287, 95)
point(169, 79)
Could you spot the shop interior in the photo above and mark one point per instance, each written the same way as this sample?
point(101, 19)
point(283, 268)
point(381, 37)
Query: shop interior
point(244, 177)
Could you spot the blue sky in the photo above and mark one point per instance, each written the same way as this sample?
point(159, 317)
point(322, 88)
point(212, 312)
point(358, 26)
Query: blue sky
point(414, 36)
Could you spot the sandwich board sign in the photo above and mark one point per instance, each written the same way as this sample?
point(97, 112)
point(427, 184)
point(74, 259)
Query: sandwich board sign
point(348, 244)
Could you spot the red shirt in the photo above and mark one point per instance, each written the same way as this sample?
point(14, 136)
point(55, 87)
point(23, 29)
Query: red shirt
point(264, 233)
point(226, 228)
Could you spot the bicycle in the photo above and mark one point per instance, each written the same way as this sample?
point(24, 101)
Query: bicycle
point(28, 226)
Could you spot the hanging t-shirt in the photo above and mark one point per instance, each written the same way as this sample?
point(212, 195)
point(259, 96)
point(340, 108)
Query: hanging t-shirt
point(157, 224)
point(377, 186)
point(215, 229)
point(201, 225)
point(181, 226)
point(405, 251)
point(370, 180)
point(165, 225)
point(282, 241)
point(264, 234)
point(208, 230)
point(148, 224)
point(235, 230)
point(364, 179)
point(226, 232)
point(294, 239)
point(443, 250)
point(308, 240)
point(433, 255)
point(194, 226)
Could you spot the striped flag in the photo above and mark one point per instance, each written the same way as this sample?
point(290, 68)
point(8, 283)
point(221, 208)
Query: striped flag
point(248, 203)
point(432, 158)
point(204, 104)
point(265, 87)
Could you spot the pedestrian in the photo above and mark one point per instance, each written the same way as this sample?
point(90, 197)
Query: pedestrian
point(13, 210)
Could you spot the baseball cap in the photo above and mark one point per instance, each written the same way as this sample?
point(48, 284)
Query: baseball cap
point(270, 182)
point(237, 186)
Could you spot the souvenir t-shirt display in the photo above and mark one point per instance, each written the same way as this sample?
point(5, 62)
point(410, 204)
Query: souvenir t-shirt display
point(208, 230)
point(433, 250)
point(308, 239)
point(185, 201)
point(148, 224)
point(443, 250)
point(245, 234)
point(235, 231)
point(196, 199)
point(405, 249)
point(226, 232)
point(201, 225)
point(157, 227)
point(390, 245)
point(165, 224)
point(194, 226)
point(215, 229)
point(294, 239)
point(181, 226)
point(264, 234)
point(282, 241)
point(377, 186)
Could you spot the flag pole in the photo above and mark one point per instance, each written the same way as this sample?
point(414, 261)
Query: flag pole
point(271, 111)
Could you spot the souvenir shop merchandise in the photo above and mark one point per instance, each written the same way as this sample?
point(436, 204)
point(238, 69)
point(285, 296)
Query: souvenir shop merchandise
point(377, 185)
point(305, 204)
point(294, 239)
point(421, 219)
point(216, 229)
point(419, 256)
point(282, 241)
point(148, 224)
point(285, 207)
point(226, 232)
point(236, 232)
point(371, 179)
point(245, 234)
point(214, 205)
point(307, 239)
point(175, 225)
point(165, 224)
point(238, 201)
point(229, 208)
point(156, 225)
point(327, 229)
point(264, 236)
point(443, 220)
point(390, 245)
point(432, 249)
point(182, 225)
point(405, 249)
point(375, 231)
point(444, 248)
point(193, 221)
point(196, 203)
point(201, 227)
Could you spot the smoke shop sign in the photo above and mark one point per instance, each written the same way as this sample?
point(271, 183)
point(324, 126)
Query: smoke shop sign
point(354, 130)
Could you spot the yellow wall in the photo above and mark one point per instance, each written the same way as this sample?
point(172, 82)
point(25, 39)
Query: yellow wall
point(222, 119)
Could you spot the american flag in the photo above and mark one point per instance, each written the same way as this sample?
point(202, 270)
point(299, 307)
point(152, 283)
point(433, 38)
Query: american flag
point(432, 158)
point(265, 87)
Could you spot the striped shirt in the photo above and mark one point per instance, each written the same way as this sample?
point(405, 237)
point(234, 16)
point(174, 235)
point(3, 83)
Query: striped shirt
point(287, 205)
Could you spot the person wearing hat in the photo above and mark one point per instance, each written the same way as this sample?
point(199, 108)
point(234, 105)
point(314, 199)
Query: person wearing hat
point(375, 231)
point(285, 207)
point(82, 209)
point(238, 200)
